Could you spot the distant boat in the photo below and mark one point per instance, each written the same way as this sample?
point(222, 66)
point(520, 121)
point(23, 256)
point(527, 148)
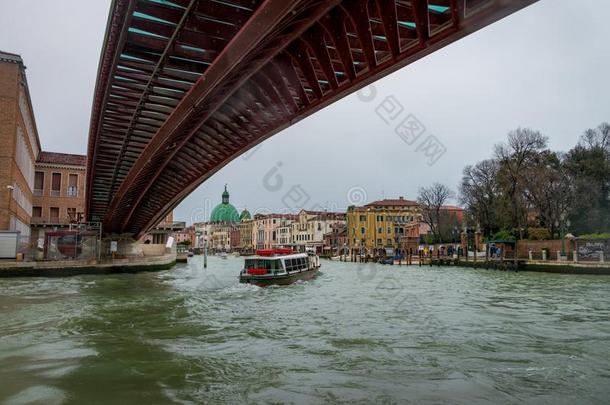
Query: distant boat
point(222, 255)
point(235, 254)
point(279, 266)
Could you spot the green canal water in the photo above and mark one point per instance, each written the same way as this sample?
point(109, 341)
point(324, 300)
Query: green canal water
point(356, 334)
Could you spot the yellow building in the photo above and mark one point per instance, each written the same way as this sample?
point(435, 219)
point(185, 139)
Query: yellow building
point(383, 226)
point(245, 236)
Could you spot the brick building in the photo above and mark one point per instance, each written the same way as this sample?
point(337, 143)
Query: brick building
point(20, 147)
point(59, 192)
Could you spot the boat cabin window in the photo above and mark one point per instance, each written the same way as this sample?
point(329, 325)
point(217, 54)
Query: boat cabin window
point(297, 264)
point(263, 264)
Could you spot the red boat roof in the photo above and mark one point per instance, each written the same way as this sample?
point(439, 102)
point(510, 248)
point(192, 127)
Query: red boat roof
point(274, 252)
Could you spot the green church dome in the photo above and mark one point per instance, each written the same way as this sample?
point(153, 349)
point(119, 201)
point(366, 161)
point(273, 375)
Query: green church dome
point(245, 214)
point(224, 212)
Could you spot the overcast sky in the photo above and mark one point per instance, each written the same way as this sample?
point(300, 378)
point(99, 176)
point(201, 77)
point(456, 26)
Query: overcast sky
point(545, 67)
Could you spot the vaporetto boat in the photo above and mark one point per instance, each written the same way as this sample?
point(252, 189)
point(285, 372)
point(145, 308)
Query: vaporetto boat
point(279, 266)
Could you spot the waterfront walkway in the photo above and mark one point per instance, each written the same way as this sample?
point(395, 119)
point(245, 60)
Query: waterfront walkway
point(507, 264)
point(77, 267)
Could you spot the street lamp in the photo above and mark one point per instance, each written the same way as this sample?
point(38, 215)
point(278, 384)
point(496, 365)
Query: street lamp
point(10, 189)
point(563, 224)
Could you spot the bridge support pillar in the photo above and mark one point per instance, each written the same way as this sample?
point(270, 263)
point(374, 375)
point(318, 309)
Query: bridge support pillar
point(121, 246)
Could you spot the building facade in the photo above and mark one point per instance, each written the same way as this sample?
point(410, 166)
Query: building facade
point(309, 228)
point(221, 237)
point(59, 192)
point(335, 242)
point(383, 227)
point(246, 245)
point(20, 147)
point(202, 234)
point(265, 229)
point(186, 237)
point(284, 234)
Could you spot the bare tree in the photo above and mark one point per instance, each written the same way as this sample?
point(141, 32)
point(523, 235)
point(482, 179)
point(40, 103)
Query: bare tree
point(514, 157)
point(597, 138)
point(549, 190)
point(431, 200)
point(479, 194)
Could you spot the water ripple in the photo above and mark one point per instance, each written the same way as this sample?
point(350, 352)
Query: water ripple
point(372, 334)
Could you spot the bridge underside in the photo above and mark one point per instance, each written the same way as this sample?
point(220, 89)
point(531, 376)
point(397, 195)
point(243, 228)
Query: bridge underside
point(186, 86)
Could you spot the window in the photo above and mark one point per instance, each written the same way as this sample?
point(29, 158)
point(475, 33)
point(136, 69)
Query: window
point(37, 212)
point(56, 185)
point(24, 159)
point(38, 183)
point(72, 185)
point(379, 230)
point(389, 231)
point(362, 230)
point(389, 241)
point(54, 214)
point(379, 241)
point(72, 214)
point(362, 218)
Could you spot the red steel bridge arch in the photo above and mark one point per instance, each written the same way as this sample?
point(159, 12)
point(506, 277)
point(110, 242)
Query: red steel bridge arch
point(186, 86)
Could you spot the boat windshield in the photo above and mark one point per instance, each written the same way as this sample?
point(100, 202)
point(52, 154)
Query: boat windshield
point(269, 264)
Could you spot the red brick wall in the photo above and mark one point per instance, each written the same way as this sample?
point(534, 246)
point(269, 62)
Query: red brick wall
point(523, 248)
point(9, 96)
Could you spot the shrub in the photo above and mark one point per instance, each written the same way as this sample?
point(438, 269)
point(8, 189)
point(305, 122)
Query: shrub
point(503, 235)
point(605, 235)
point(538, 234)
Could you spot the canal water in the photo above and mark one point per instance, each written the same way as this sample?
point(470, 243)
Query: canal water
point(356, 334)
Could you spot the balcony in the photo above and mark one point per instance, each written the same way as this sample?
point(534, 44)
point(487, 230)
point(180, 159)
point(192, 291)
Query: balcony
point(37, 220)
point(51, 221)
point(55, 193)
point(37, 192)
point(72, 192)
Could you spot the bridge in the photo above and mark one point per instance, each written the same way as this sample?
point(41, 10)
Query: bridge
point(186, 86)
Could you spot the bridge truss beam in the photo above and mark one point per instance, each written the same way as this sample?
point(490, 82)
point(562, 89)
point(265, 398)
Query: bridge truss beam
point(185, 89)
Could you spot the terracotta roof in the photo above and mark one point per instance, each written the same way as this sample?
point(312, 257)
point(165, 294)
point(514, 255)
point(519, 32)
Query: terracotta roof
point(268, 216)
point(325, 214)
point(392, 202)
point(452, 208)
point(62, 159)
